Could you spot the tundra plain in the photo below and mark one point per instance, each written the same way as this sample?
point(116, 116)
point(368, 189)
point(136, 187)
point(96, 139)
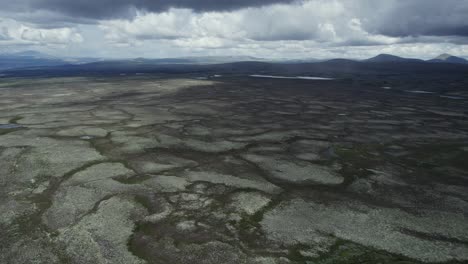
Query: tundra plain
point(157, 169)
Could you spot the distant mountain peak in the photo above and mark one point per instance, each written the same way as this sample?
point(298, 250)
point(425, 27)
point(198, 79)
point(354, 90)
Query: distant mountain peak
point(388, 58)
point(28, 53)
point(447, 58)
point(385, 55)
point(443, 56)
point(26, 59)
point(33, 54)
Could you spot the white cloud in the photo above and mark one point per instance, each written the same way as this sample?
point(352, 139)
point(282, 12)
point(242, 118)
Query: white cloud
point(315, 23)
point(303, 29)
point(322, 21)
point(13, 32)
point(167, 25)
point(203, 43)
point(4, 34)
point(49, 36)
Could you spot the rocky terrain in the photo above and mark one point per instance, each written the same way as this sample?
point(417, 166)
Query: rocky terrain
point(230, 170)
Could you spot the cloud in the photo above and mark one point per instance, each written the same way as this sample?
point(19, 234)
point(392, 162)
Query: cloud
point(401, 18)
point(4, 34)
point(104, 9)
point(319, 21)
point(167, 25)
point(393, 18)
point(270, 28)
point(49, 36)
point(15, 33)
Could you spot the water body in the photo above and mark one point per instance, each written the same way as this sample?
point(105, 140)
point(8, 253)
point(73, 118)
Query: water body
point(452, 97)
point(10, 126)
point(296, 77)
point(418, 91)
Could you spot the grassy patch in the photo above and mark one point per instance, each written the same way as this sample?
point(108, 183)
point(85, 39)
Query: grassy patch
point(357, 160)
point(344, 252)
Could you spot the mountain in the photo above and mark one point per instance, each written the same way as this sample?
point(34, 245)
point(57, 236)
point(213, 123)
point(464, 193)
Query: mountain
point(191, 60)
point(336, 68)
point(220, 59)
point(28, 59)
point(447, 58)
point(390, 58)
point(36, 64)
point(32, 54)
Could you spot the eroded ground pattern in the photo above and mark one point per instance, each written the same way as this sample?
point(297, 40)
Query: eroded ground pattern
point(150, 170)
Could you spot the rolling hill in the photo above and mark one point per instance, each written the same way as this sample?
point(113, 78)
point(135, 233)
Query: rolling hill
point(447, 58)
point(390, 58)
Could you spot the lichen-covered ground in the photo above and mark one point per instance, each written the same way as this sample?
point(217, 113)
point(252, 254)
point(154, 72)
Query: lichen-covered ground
point(230, 170)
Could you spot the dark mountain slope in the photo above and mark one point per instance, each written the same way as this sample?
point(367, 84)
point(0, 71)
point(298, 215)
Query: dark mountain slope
point(447, 58)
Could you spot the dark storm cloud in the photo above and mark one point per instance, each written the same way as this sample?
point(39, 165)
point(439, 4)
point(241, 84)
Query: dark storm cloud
point(331, 23)
point(402, 18)
point(102, 9)
point(396, 18)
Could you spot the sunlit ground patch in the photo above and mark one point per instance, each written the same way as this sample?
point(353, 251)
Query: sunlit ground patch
point(291, 77)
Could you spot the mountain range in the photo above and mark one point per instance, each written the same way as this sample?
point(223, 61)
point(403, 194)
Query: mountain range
point(35, 63)
point(443, 58)
point(30, 58)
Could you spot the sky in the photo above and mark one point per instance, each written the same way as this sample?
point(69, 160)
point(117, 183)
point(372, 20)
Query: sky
point(274, 29)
